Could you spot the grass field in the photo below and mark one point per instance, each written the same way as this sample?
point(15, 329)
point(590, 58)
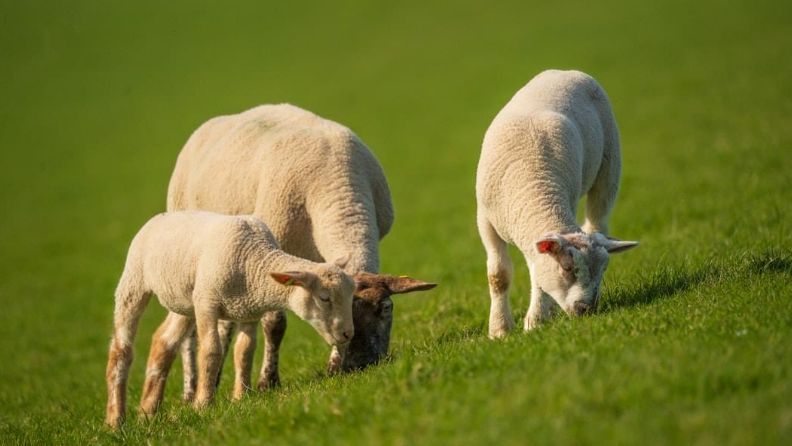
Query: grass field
point(692, 344)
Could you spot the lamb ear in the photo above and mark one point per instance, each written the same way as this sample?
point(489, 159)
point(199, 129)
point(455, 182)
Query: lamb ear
point(342, 261)
point(549, 244)
point(295, 278)
point(615, 246)
point(404, 284)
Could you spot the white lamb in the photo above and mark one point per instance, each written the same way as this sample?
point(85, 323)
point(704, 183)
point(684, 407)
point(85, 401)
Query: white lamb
point(324, 196)
point(555, 141)
point(204, 267)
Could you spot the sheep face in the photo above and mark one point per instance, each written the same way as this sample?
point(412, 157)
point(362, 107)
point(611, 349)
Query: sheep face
point(570, 267)
point(373, 314)
point(323, 298)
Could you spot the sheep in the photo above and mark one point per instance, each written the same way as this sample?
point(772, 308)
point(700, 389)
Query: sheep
point(555, 141)
point(322, 193)
point(204, 267)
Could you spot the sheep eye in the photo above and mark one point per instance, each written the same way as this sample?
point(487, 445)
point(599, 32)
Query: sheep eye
point(324, 297)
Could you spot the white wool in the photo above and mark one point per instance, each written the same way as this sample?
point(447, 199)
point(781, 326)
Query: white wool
point(320, 190)
point(555, 141)
point(204, 267)
point(318, 187)
point(221, 264)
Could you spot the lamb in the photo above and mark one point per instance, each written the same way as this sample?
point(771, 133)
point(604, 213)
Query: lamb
point(204, 267)
point(555, 141)
point(324, 196)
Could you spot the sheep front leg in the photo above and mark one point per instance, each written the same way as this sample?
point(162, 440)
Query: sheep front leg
point(210, 354)
point(244, 349)
point(189, 367)
point(499, 275)
point(164, 346)
point(274, 326)
point(188, 352)
point(541, 308)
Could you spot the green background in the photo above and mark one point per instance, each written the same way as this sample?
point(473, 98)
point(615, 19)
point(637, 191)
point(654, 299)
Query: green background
point(692, 343)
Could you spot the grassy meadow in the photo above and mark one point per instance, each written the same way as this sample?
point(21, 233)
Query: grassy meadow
point(692, 343)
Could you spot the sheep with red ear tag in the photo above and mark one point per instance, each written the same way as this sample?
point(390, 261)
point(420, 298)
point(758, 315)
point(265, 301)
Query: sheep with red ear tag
point(553, 143)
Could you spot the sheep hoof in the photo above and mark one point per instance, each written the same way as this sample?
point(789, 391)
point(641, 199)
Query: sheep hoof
point(269, 383)
point(499, 332)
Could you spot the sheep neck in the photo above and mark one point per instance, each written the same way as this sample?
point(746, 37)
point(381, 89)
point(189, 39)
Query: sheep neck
point(544, 213)
point(265, 260)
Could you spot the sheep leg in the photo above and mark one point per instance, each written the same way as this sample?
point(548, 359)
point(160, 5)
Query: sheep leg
point(209, 356)
point(164, 346)
point(602, 195)
point(188, 354)
point(336, 359)
point(499, 274)
point(225, 330)
point(274, 325)
point(189, 367)
point(541, 308)
point(243, 358)
point(129, 306)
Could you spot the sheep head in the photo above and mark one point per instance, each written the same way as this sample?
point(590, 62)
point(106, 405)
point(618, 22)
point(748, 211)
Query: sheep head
point(373, 315)
point(323, 298)
point(569, 267)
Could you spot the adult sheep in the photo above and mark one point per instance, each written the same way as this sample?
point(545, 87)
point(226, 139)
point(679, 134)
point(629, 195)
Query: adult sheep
point(323, 195)
point(555, 141)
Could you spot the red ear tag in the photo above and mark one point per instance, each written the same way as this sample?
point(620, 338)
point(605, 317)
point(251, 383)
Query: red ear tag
point(545, 246)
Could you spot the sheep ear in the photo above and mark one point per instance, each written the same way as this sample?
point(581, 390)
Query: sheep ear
point(374, 287)
point(342, 261)
point(615, 246)
point(549, 244)
point(404, 284)
point(295, 278)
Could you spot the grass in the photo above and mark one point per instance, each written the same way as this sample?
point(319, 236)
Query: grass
point(692, 343)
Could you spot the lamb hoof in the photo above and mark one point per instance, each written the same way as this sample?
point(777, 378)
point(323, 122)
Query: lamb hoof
point(499, 332)
point(268, 384)
point(531, 325)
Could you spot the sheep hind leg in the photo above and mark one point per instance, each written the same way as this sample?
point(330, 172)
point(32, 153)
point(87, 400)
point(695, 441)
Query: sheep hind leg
point(602, 195)
point(274, 326)
point(164, 346)
point(129, 307)
point(499, 274)
point(244, 348)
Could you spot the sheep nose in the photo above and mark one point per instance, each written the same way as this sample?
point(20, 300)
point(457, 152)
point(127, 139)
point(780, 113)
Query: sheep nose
point(582, 308)
point(347, 335)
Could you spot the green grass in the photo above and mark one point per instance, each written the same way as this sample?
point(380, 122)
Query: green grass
point(692, 343)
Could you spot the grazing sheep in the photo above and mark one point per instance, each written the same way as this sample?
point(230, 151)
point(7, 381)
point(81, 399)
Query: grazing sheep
point(555, 141)
point(321, 192)
point(204, 267)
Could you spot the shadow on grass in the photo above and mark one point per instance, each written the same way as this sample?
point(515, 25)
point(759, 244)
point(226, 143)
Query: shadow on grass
point(666, 281)
point(774, 261)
